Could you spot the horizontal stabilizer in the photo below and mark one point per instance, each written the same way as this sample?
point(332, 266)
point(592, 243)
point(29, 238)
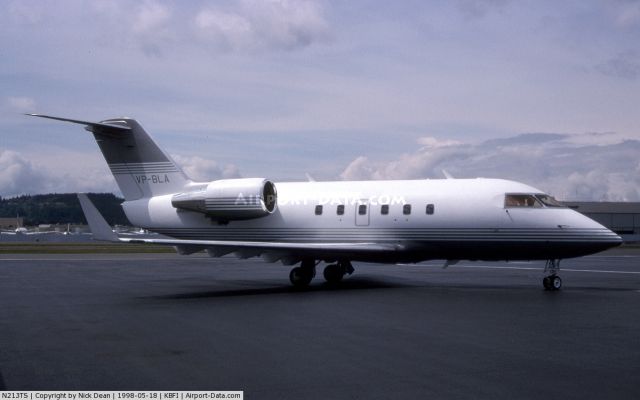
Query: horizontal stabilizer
point(99, 227)
point(102, 125)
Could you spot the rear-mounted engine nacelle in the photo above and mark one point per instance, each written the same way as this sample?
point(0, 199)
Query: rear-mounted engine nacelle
point(231, 199)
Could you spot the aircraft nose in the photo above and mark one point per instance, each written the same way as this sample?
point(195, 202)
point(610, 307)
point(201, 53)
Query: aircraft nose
point(615, 239)
point(618, 240)
point(595, 235)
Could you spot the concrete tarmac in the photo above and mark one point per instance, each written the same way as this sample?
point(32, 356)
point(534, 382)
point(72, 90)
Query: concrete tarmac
point(474, 330)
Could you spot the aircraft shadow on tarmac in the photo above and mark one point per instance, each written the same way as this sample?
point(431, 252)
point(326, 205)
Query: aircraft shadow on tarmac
point(353, 284)
point(366, 283)
point(359, 283)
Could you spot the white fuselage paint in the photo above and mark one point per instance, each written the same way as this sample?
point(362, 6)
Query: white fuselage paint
point(469, 221)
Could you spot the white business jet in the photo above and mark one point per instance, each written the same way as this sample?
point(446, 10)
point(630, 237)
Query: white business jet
point(402, 221)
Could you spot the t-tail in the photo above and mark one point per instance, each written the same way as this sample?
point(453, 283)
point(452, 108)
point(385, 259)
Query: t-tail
point(140, 167)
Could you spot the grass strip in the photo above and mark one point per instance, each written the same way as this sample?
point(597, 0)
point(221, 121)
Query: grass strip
point(82, 248)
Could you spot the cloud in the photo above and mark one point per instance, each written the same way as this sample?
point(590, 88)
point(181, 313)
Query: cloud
point(150, 17)
point(359, 169)
point(19, 176)
point(204, 170)
point(572, 167)
point(225, 30)
point(625, 65)
point(628, 14)
point(162, 29)
point(273, 24)
point(433, 143)
point(152, 27)
point(21, 104)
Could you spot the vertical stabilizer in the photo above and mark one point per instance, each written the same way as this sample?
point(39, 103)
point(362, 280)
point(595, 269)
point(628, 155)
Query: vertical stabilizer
point(140, 167)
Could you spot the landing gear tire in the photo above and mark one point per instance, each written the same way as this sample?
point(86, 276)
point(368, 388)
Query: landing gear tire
point(552, 282)
point(301, 276)
point(333, 273)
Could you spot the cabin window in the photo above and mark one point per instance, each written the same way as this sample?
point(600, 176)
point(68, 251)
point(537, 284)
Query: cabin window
point(549, 201)
point(521, 200)
point(362, 209)
point(384, 209)
point(430, 209)
point(340, 209)
point(318, 210)
point(406, 209)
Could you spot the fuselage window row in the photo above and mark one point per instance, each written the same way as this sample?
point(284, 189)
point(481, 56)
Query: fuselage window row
point(384, 209)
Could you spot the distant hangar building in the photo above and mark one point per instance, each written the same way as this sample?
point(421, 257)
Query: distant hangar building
point(622, 218)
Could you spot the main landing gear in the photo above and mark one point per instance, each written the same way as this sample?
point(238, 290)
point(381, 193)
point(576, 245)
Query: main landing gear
point(552, 281)
point(303, 275)
point(333, 273)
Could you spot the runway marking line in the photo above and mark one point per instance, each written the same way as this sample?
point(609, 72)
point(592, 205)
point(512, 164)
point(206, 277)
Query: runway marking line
point(600, 271)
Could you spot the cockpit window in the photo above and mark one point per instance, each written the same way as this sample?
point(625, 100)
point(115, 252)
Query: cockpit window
point(521, 200)
point(549, 201)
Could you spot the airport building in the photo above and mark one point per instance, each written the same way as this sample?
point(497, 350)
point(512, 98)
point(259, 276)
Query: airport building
point(621, 217)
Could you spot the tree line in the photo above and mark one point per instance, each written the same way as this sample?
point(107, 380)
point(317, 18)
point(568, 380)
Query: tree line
point(61, 208)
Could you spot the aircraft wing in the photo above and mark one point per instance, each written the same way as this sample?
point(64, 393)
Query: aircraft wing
point(102, 231)
point(347, 247)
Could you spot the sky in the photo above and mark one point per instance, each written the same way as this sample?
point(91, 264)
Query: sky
point(543, 92)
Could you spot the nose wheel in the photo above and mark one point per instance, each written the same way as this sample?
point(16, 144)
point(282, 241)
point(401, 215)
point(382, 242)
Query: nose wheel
point(552, 281)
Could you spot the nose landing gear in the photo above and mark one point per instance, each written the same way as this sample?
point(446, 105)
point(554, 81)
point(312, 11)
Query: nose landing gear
point(552, 281)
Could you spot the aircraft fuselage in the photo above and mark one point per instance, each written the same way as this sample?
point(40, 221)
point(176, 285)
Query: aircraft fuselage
point(424, 219)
